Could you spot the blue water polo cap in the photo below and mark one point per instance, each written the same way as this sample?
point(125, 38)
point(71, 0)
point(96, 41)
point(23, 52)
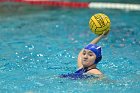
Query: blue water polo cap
point(95, 49)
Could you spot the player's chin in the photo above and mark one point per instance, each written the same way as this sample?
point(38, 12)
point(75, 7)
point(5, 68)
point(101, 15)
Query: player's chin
point(85, 64)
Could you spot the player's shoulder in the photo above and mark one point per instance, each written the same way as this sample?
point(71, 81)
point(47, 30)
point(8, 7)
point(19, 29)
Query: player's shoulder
point(95, 71)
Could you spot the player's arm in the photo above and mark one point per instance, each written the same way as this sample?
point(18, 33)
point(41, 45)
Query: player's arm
point(97, 39)
point(79, 61)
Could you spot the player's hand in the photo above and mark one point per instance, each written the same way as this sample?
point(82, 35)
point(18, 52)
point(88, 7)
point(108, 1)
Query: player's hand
point(105, 33)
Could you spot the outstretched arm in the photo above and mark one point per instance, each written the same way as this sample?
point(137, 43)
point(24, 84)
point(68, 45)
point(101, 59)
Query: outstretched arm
point(97, 39)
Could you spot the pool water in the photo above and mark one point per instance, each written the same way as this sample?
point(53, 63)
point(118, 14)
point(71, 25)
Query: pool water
point(37, 47)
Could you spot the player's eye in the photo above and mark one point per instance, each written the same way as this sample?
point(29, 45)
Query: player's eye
point(90, 54)
point(84, 52)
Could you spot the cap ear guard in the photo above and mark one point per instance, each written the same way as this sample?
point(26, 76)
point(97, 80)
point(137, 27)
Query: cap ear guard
point(98, 59)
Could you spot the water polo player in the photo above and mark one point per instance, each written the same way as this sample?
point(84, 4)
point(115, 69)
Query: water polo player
point(88, 59)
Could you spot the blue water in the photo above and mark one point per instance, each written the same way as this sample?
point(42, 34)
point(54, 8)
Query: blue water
point(37, 47)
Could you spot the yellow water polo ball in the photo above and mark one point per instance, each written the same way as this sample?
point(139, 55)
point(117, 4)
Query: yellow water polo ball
point(99, 23)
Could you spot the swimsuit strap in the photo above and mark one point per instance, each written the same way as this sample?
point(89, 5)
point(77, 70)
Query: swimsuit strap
point(80, 71)
point(86, 69)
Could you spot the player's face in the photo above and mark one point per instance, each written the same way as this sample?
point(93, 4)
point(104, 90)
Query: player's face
point(87, 58)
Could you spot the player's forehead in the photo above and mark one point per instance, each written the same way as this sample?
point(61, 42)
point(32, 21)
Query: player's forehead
point(87, 51)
